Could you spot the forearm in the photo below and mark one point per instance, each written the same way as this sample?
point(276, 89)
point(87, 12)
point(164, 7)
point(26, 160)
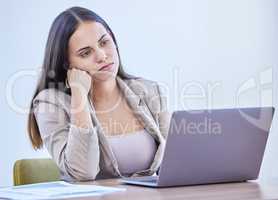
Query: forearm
point(81, 156)
point(80, 112)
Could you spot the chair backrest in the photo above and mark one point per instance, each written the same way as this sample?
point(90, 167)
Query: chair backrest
point(28, 171)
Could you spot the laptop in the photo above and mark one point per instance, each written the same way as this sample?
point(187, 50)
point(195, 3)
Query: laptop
point(212, 146)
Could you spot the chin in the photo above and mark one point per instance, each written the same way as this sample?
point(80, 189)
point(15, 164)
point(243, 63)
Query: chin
point(104, 76)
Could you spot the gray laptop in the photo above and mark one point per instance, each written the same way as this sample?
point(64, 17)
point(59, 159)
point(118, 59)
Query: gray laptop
point(212, 146)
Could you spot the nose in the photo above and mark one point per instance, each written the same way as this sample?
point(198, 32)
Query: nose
point(100, 55)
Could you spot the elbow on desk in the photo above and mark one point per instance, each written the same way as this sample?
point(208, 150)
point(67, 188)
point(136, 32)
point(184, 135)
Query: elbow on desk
point(81, 174)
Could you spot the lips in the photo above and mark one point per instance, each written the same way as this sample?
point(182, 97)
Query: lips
point(106, 67)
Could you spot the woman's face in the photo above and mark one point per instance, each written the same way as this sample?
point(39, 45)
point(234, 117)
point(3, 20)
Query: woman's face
point(91, 48)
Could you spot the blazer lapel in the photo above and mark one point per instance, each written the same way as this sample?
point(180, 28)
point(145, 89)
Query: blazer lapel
point(140, 108)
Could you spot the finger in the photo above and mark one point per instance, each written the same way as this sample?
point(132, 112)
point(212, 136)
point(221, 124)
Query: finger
point(68, 72)
point(71, 66)
point(83, 71)
point(78, 68)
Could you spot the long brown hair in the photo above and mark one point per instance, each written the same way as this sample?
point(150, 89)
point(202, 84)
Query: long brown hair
point(55, 63)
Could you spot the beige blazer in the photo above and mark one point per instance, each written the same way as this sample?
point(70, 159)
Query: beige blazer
point(84, 154)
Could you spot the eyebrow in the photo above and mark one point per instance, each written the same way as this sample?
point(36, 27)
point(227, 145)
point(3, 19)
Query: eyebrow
point(88, 46)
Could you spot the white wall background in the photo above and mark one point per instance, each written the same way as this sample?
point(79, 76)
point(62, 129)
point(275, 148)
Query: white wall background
point(210, 43)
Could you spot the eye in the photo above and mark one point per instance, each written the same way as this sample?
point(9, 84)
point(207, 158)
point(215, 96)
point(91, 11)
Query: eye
point(103, 42)
point(85, 54)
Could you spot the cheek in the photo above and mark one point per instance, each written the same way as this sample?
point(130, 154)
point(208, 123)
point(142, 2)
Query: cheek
point(85, 64)
point(77, 62)
point(114, 55)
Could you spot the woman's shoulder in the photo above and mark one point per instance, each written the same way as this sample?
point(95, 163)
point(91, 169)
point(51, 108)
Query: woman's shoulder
point(153, 92)
point(143, 85)
point(141, 80)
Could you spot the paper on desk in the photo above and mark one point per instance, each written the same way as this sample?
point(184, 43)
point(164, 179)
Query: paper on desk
point(54, 190)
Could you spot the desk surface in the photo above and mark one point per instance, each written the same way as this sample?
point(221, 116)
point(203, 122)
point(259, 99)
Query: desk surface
point(244, 190)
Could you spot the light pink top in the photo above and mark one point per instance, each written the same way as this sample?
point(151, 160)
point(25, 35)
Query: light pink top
point(133, 151)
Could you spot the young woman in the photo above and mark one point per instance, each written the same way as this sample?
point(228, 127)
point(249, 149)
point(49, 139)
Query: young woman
point(95, 120)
